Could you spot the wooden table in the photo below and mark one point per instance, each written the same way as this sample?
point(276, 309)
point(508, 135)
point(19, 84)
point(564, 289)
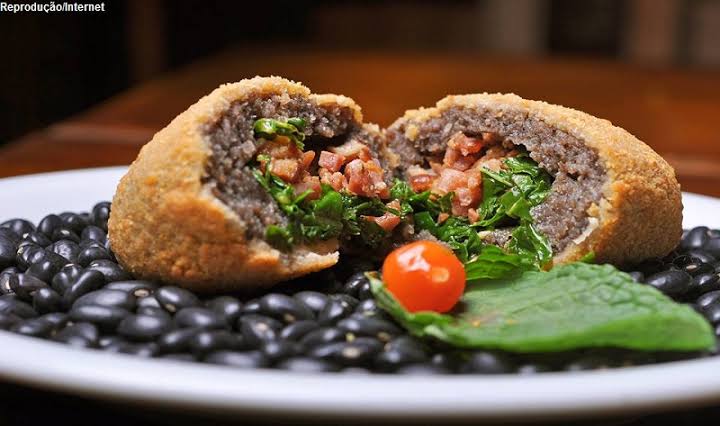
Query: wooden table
point(674, 111)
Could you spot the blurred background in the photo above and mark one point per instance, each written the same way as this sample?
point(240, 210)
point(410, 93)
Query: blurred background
point(89, 89)
point(58, 64)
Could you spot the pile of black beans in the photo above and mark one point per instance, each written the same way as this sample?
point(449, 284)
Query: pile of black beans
point(59, 280)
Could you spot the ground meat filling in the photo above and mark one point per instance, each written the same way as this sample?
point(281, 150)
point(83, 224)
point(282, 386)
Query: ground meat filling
point(578, 174)
point(233, 145)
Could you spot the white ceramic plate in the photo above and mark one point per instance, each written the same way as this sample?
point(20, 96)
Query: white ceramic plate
point(265, 392)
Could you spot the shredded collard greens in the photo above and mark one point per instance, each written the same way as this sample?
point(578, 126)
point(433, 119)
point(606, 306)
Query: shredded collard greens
point(269, 129)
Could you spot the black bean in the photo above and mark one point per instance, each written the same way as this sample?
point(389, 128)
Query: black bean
point(143, 328)
point(18, 226)
point(138, 288)
point(8, 320)
point(637, 276)
point(354, 283)
point(5, 283)
point(528, 369)
point(92, 253)
point(251, 307)
point(356, 352)
point(94, 233)
point(352, 301)
point(145, 350)
point(112, 271)
point(590, 362)
point(100, 215)
point(29, 254)
point(73, 221)
point(284, 308)
point(106, 341)
point(695, 238)
point(65, 248)
point(177, 340)
point(708, 299)
point(105, 317)
point(64, 234)
point(49, 223)
point(64, 279)
point(258, 328)
point(422, 369)
point(226, 306)
point(148, 302)
point(705, 283)
point(368, 308)
point(712, 247)
point(34, 327)
point(8, 251)
point(86, 282)
point(247, 359)
point(712, 313)
point(105, 297)
point(175, 298)
point(207, 341)
point(82, 334)
point(46, 300)
point(401, 351)
point(298, 329)
point(36, 238)
point(276, 350)
point(57, 319)
point(323, 336)
point(154, 312)
point(702, 256)
point(313, 300)
point(369, 326)
point(483, 362)
point(11, 304)
point(335, 310)
point(7, 233)
point(671, 283)
point(452, 360)
point(307, 365)
point(46, 269)
point(25, 286)
point(199, 317)
point(698, 268)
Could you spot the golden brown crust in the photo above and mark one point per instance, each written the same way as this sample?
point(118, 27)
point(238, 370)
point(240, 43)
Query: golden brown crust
point(165, 224)
point(640, 214)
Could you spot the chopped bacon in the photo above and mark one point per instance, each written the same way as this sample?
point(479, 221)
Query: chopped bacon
point(366, 178)
point(420, 179)
point(331, 161)
point(280, 147)
point(286, 169)
point(336, 180)
point(311, 183)
point(466, 186)
point(307, 159)
point(442, 217)
point(465, 144)
point(473, 215)
point(352, 150)
point(454, 159)
point(388, 221)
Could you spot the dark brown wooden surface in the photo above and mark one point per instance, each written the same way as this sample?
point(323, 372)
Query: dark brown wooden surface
point(674, 111)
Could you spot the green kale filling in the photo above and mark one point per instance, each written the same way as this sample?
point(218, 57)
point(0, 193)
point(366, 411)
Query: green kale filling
point(333, 215)
point(269, 129)
point(508, 196)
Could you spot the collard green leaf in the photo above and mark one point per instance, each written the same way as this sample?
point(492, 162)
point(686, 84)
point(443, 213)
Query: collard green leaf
point(570, 307)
